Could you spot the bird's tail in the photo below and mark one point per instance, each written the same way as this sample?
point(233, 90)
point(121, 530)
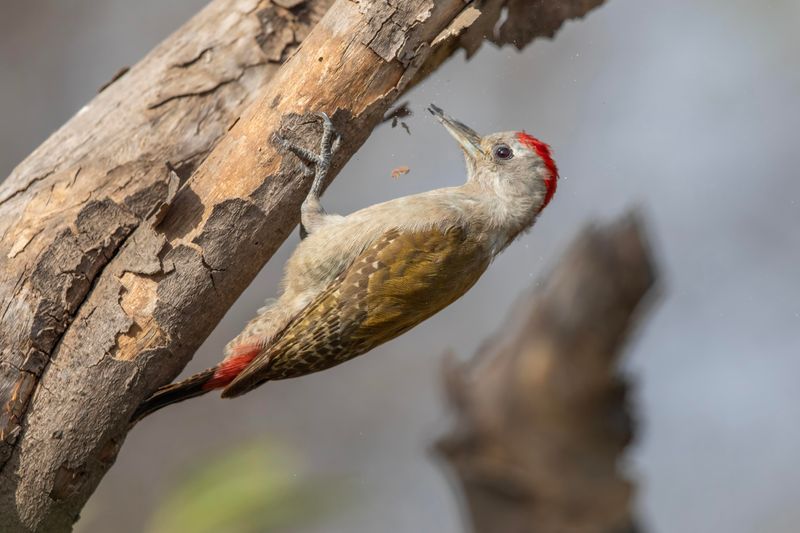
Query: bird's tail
point(191, 387)
point(214, 378)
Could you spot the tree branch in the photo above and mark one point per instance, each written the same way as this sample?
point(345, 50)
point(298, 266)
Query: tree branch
point(112, 273)
point(66, 210)
point(542, 417)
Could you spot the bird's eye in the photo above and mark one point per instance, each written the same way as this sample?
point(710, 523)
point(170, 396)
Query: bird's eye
point(502, 151)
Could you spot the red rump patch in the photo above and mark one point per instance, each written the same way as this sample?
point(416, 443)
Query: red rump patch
point(543, 151)
point(242, 355)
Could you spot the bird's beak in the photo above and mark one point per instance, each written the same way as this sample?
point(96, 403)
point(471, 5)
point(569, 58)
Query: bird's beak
point(469, 140)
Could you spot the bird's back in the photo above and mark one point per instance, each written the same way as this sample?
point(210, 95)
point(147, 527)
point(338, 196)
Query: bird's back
point(326, 253)
point(401, 279)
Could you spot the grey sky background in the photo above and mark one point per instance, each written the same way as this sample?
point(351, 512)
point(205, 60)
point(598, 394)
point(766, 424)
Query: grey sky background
point(686, 109)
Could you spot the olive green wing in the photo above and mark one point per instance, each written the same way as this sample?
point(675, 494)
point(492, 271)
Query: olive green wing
point(396, 283)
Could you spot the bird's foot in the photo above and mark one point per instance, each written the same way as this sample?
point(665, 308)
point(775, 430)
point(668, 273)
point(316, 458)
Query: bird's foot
point(315, 163)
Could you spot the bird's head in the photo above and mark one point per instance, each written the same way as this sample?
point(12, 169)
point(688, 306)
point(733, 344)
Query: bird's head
point(513, 164)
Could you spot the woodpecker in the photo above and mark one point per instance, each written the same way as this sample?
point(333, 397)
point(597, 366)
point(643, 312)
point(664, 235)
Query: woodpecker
point(357, 281)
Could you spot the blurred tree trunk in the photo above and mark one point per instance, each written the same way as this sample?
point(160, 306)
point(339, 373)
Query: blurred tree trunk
point(113, 270)
point(541, 412)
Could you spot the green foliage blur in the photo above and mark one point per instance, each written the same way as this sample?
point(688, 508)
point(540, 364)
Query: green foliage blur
point(255, 488)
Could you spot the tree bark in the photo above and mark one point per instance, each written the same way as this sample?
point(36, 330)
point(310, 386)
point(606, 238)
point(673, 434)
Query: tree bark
point(113, 271)
point(541, 412)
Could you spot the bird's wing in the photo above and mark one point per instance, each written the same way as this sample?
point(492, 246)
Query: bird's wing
point(396, 283)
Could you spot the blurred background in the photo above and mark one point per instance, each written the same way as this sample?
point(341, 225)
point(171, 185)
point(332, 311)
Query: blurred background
point(688, 109)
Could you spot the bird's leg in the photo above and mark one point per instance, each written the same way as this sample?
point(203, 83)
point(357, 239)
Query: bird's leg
point(312, 214)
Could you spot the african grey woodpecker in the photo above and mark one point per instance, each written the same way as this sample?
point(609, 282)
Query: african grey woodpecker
point(357, 281)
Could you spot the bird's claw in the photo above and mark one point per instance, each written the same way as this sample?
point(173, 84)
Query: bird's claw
point(316, 164)
point(330, 139)
point(329, 143)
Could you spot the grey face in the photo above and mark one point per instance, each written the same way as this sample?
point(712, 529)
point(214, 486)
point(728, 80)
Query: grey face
point(502, 152)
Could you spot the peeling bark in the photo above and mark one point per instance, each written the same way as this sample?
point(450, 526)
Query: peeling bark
point(68, 208)
point(541, 412)
point(113, 269)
